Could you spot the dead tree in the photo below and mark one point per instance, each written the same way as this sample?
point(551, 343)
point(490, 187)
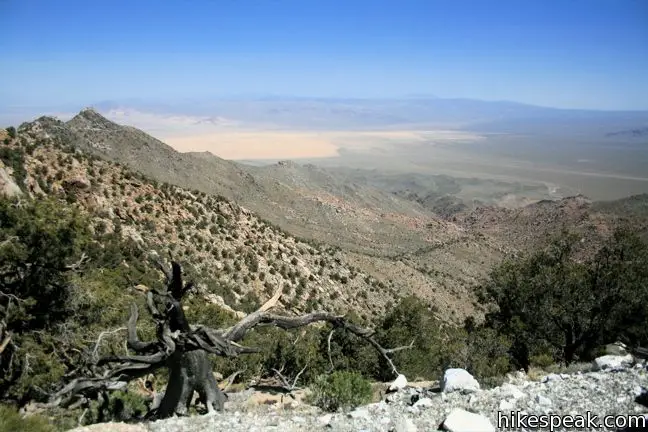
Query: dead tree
point(183, 349)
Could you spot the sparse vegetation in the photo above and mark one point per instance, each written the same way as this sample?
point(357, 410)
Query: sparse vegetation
point(577, 304)
point(340, 390)
point(11, 421)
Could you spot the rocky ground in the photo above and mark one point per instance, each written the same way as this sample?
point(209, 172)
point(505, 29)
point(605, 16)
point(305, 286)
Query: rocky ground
point(614, 386)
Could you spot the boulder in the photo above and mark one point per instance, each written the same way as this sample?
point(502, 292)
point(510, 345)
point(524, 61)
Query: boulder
point(613, 362)
point(460, 420)
point(459, 380)
point(399, 383)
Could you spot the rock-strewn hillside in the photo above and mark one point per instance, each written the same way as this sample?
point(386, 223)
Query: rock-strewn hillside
point(169, 215)
point(303, 200)
point(243, 258)
point(530, 226)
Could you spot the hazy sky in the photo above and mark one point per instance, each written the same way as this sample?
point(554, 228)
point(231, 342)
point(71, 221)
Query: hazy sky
point(567, 53)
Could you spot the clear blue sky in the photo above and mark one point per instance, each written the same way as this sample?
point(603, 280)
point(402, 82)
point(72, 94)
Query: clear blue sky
point(567, 53)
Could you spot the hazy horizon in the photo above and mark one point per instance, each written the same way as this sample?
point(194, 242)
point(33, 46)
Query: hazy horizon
point(579, 54)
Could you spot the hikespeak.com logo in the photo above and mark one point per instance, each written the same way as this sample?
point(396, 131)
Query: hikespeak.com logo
point(517, 420)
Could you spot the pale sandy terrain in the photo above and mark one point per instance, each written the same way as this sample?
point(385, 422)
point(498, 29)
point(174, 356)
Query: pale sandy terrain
point(300, 145)
point(233, 140)
point(256, 145)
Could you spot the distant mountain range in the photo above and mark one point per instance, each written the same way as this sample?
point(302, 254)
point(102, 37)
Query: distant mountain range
point(634, 133)
point(418, 112)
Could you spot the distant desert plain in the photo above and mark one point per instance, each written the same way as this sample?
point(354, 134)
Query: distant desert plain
point(562, 152)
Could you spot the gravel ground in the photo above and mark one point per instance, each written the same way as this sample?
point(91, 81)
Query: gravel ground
point(600, 393)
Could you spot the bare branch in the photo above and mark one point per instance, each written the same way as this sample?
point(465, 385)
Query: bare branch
point(287, 386)
point(175, 285)
point(80, 421)
point(163, 269)
point(12, 297)
point(239, 330)
point(230, 380)
point(133, 340)
point(75, 266)
point(150, 303)
point(150, 359)
point(4, 343)
point(101, 335)
point(111, 381)
point(272, 302)
point(329, 350)
point(292, 387)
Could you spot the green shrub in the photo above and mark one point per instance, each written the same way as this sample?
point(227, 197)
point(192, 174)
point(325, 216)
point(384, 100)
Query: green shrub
point(553, 301)
point(15, 159)
point(340, 390)
point(12, 421)
point(542, 361)
point(412, 320)
point(124, 406)
point(481, 351)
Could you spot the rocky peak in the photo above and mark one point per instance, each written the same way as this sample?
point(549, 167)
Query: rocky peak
point(89, 118)
point(41, 123)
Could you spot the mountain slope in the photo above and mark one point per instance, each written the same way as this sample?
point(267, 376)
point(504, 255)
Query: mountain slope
point(150, 156)
point(305, 201)
point(241, 258)
point(396, 244)
point(531, 226)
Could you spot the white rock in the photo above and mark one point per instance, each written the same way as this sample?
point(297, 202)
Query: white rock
point(360, 413)
point(516, 377)
point(459, 380)
point(399, 383)
point(550, 377)
point(404, 424)
point(424, 403)
point(510, 390)
point(613, 362)
point(463, 421)
point(505, 405)
point(325, 419)
point(543, 400)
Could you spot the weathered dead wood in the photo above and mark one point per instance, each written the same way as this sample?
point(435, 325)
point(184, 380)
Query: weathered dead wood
point(182, 349)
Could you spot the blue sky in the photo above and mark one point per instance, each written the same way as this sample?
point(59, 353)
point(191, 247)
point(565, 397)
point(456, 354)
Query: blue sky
point(567, 53)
